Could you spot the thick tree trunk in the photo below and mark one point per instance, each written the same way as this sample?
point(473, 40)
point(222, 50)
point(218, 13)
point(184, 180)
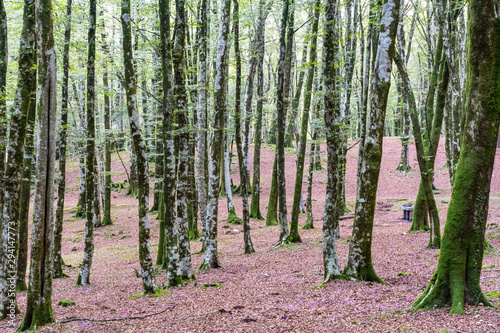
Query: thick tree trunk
point(171, 258)
point(147, 273)
point(332, 123)
point(359, 264)
point(39, 298)
point(15, 159)
point(210, 259)
point(61, 189)
point(185, 267)
point(4, 59)
point(301, 154)
point(457, 276)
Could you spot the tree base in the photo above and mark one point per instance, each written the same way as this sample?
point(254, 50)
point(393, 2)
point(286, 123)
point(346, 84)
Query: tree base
point(234, 219)
point(257, 215)
point(106, 221)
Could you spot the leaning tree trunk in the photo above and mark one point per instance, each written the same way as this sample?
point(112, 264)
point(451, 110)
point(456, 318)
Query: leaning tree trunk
point(147, 273)
point(457, 276)
point(39, 298)
point(211, 259)
point(332, 123)
point(61, 189)
point(301, 154)
point(171, 258)
point(15, 159)
point(359, 265)
point(91, 214)
point(185, 267)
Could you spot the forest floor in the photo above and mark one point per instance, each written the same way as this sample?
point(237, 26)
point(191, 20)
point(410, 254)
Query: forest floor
point(274, 289)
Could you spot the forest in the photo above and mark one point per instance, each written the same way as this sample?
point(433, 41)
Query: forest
point(250, 165)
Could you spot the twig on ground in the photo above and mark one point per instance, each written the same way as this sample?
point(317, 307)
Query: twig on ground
point(116, 319)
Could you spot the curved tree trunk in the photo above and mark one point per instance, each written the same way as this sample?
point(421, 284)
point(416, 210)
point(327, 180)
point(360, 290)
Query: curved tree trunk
point(359, 265)
point(457, 276)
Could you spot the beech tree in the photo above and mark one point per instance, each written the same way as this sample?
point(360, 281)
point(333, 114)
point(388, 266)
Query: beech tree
point(359, 264)
point(39, 298)
point(457, 276)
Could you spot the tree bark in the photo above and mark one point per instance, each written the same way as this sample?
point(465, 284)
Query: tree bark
point(39, 298)
point(61, 189)
point(359, 265)
point(457, 276)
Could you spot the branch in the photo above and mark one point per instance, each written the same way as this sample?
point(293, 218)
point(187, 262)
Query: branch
point(116, 319)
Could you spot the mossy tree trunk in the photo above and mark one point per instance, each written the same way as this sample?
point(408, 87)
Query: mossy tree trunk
point(201, 110)
point(106, 220)
point(457, 276)
point(332, 123)
point(147, 271)
point(90, 177)
point(39, 298)
point(211, 259)
point(15, 159)
point(185, 267)
point(24, 202)
point(281, 104)
point(359, 265)
point(171, 255)
point(272, 205)
point(4, 59)
point(301, 153)
point(61, 188)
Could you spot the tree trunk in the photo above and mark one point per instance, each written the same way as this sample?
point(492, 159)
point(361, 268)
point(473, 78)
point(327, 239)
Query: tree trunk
point(210, 259)
point(170, 261)
point(457, 276)
point(301, 154)
point(332, 123)
point(147, 274)
point(91, 214)
point(15, 159)
point(4, 59)
point(185, 267)
point(359, 264)
point(61, 189)
point(39, 298)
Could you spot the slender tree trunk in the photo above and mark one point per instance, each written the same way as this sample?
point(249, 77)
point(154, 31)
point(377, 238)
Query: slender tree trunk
point(281, 103)
point(185, 266)
point(91, 214)
point(39, 298)
point(147, 273)
point(24, 203)
point(61, 189)
point(359, 264)
point(171, 254)
point(332, 123)
point(4, 59)
point(301, 154)
point(210, 259)
point(457, 276)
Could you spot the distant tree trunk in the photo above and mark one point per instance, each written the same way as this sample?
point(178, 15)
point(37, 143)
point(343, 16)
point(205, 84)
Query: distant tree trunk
point(147, 274)
point(61, 189)
point(185, 266)
point(332, 123)
point(106, 220)
point(281, 103)
point(24, 203)
point(91, 214)
point(202, 157)
point(457, 276)
point(210, 259)
point(359, 264)
point(272, 206)
point(82, 198)
point(15, 159)
point(301, 154)
point(133, 187)
point(171, 254)
point(39, 298)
